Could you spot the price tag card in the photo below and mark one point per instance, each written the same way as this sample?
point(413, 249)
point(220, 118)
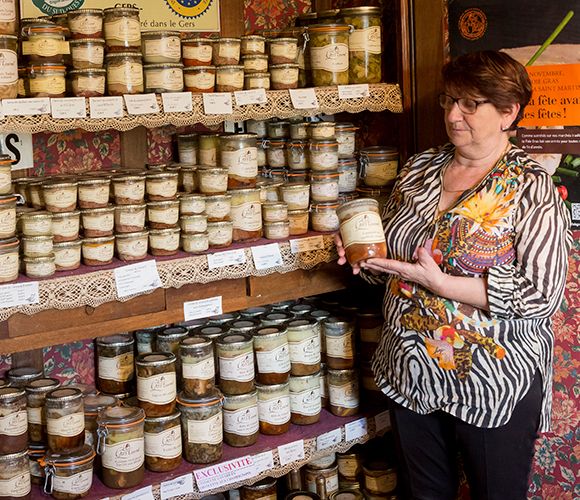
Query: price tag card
point(291, 452)
point(26, 107)
point(255, 96)
point(217, 103)
point(216, 476)
point(182, 485)
point(142, 494)
point(264, 461)
point(383, 421)
point(177, 102)
point(137, 278)
point(106, 107)
point(19, 294)
point(69, 107)
point(203, 308)
point(328, 439)
point(227, 258)
point(306, 244)
point(353, 91)
point(356, 429)
point(141, 104)
point(267, 256)
point(303, 98)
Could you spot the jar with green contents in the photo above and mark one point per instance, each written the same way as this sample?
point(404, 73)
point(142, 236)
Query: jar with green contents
point(208, 147)
point(365, 47)
point(329, 57)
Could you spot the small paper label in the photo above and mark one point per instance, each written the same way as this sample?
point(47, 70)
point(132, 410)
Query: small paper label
point(328, 439)
point(356, 429)
point(383, 421)
point(304, 98)
point(165, 445)
point(26, 107)
point(276, 360)
point(227, 258)
point(232, 471)
point(142, 494)
point(137, 278)
point(14, 424)
point(254, 96)
point(202, 308)
point(267, 256)
point(217, 103)
point(69, 107)
point(77, 484)
point(209, 431)
point(19, 294)
point(141, 104)
point(177, 102)
point(307, 244)
point(106, 107)
point(182, 485)
point(158, 389)
point(274, 411)
point(264, 461)
point(353, 91)
point(67, 426)
point(291, 452)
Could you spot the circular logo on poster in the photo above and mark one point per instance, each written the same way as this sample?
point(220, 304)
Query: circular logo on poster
point(472, 24)
point(50, 7)
point(189, 8)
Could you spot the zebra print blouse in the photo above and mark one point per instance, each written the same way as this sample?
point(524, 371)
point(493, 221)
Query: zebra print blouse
point(439, 354)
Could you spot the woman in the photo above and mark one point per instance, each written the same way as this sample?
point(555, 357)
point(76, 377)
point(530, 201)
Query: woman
point(477, 242)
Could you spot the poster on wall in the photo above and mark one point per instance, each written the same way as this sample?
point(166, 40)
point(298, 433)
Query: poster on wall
point(550, 130)
point(179, 15)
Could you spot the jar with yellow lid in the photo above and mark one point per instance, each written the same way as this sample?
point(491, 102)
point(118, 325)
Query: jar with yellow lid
point(44, 43)
point(252, 44)
point(226, 51)
point(229, 78)
point(67, 255)
point(161, 47)
point(329, 56)
point(85, 23)
point(246, 214)
point(9, 260)
point(122, 29)
point(9, 68)
point(199, 78)
point(197, 51)
point(324, 186)
point(163, 77)
point(124, 73)
point(283, 50)
point(379, 166)
point(47, 80)
point(88, 82)
point(323, 216)
point(98, 251)
point(69, 476)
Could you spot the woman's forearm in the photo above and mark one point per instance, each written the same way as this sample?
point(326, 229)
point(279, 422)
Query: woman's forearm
point(472, 291)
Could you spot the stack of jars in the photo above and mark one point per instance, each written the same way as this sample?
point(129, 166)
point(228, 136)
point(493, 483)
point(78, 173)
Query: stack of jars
point(9, 244)
point(255, 62)
point(9, 47)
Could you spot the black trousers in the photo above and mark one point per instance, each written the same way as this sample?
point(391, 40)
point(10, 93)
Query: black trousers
point(497, 461)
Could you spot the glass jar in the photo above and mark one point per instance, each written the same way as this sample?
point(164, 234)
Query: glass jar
point(168, 340)
point(339, 340)
point(156, 383)
point(276, 153)
point(44, 43)
point(322, 130)
point(146, 338)
point(161, 186)
point(88, 53)
point(69, 476)
point(8, 20)
point(276, 318)
point(241, 423)
point(187, 145)
point(278, 129)
point(252, 44)
point(199, 78)
point(208, 147)
point(305, 401)
point(220, 234)
point(343, 392)
point(379, 165)
point(36, 392)
point(163, 214)
point(130, 218)
point(266, 489)
point(191, 224)
point(364, 45)
point(218, 207)
point(161, 47)
point(226, 51)
point(36, 199)
point(128, 189)
point(370, 326)
point(246, 214)
point(283, 50)
point(255, 63)
point(238, 153)
point(269, 190)
point(236, 363)
point(277, 230)
point(323, 216)
point(85, 23)
point(9, 68)
point(121, 445)
point(298, 220)
point(15, 476)
point(115, 367)
point(122, 29)
point(244, 324)
point(163, 442)
point(132, 246)
point(298, 130)
point(13, 420)
point(98, 222)
point(329, 475)
point(93, 405)
point(93, 192)
point(274, 211)
point(163, 77)
point(65, 420)
point(323, 155)
point(124, 73)
point(296, 196)
point(39, 267)
point(201, 421)
point(59, 195)
point(324, 187)
point(274, 408)
point(380, 478)
point(361, 230)
point(47, 80)
point(194, 243)
point(37, 223)
point(197, 51)
point(257, 81)
point(284, 76)
point(346, 138)
point(301, 310)
point(297, 159)
point(304, 342)
point(329, 57)
point(188, 185)
point(198, 368)
point(347, 169)
point(36, 453)
point(98, 251)
point(272, 355)
point(164, 241)
point(349, 465)
point(229, 78)
point(212, 180)
point(22, 376)
point(8, 216)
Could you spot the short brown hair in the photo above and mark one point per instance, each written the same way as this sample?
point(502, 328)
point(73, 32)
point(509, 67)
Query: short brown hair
point(493, 75)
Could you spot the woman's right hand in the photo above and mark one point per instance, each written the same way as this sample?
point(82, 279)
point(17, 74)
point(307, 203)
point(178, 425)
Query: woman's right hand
point(342, 254)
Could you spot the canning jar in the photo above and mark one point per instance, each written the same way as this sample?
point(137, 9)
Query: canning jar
point(236, 363)
point(349, 465)
point(146, 338)
point(85, 23)
point(36, 223)
point(323, 155)
point(195, 242)
point(163, 77)
point(201, 421)
point(69, 476)
point(36, 392)
point(321, 130)
point(15, 476)
point(191, 224)
point(8, 20)
point(212, 180)
point(252, 44)
point(329, 475)
point(296, 196)
point(329, 56)
point(7, 216)
point(130, 218)
point(44, 43)
point(297, 159)
point(284, 76)
point(39, 267)
point(277, 230)
point(168, 340)
point(298, 130)
point(98, 251)
point(6, 173)
point(22, 376)
point(255, 63)
point(323, 216)
point(164, 241)
point(283, 50)
point(380, 478)
point(276, 318)
point(345, 133)
point(274, 211)
point(161, 186)
point(278, 129)
point(115, 368)
point(339, 340)
point(343, 392)
point(93, 405)
point(161, 47)
point(269, 190)
point(276, 153)
point(198, 368)
point(88, 53)
point(122, 29)
point(47, 80)
point(364, 45)
point(361, 230)
point(298, 220)
point(272, 355)
point(218, 207)
point(156, 383)
point(36, 199)
point(187, 149)
point(257, 81)
point(238, 153)
point(379, 165)
point(226, 51)
point(36, 452)
point(220, 234)
point(98, 222)
point(188, 179)
point(304, 342)
point(128, 189)
point(274, 408)
point(163, 214)
point(132, 246)
point(208, 147)
point(163, 442)
point(246, 214)
point(197, 51)
point(305, 401)
point(9, 68)
point(241, 423)
point(13, 420)
point(266, 489)
point(300, 310)
point(122, 446)
point(65, 420)
point(124, 73)
point(199, 78)
point(229, 78)
point(93, 192)
point(324, 186)
point(347, 169)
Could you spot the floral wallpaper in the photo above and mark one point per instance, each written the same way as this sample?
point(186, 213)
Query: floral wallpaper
point(272, 14)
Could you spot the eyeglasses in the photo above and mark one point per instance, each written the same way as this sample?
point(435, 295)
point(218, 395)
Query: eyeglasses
point(466, 104)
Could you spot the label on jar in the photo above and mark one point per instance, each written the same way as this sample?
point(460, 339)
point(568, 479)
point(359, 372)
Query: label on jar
point(76, 484)
point(67, 426)
point(32, 227)
point(305, 352)
point(166, 188)
point(165, 444)
point(5, 180)
point(65, 226)
point(14, 424)
point(54, 85)
point(93, 54)
point(362, 228)
point(8, 266)
point(346, 143)
point(331, 483)
point(40, 247)
point(275, 361)
point(384, 483)
point(217, 210)
point(243, 422)
point(239, 368)
point(125, 456)
point(286, 50)
point(339, 346)
point(207, 431)
point(371, 335)
point(45, 47)
point(86, 24)
point(164, 215)
point(168, 48)
point(61, 198)
point(99, 222)
point(347, 181)
point(297, 158)
point(34, 415)
point(208, 156)
point(188, 156)
point(217, 236)
point(165, 241)
point(66, 257)
point(241, 163)
point(381, 171)
point(258, 65)
point(285, 76)
point(159, 389)
point(8, 67)
point(126, 74)
point(348, 467)
point(366, 40)
point(307, 402)
point(323, 160)
point(332, 57)
point(253, 46)
point(118, 368)
point(7, 11)
point(17, 486)
point(167, 79)
point(134, 191)
point(132, 218)
point(324, 191)
point(8, 223)
point(204, 370)
point(325, 221)
point(100, 253)
point(123, 29)
point(275, 411)
point(343, 395)
point(233, 78)
point(94, 194)
point(201, 53)
point(228, 50)
point(247, 216)
point(296, 199)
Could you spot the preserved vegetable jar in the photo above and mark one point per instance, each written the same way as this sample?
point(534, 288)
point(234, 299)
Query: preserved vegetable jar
point(304, 341)
point(163, 442)
point(238, 153)
point(208, 147)
point(379, 165)
point(246, 214)
point(8, 217)
point(218, 207)
point(323, 216)
point(93, 405)
point(324, 187)
point(241, 423)
point(88, 53)
point(85, 23)
point(163, 77)
point(15, 481)
point(69, 476)
point(339, 340)
point(121, 445)
point(329, 57)
point(274, 408)
point(236, 363)
point(212, 180)
point(198, 368)
point(124, 73)
point(261, 490)
point(347, 169)
point(47, 80)
point(161, 47)
point(199, 78)
point(226, 51)
point(122, 29)
point(22, 376)
point(156, 383)
point(323, 155)
point(361, 230)
point(229, 78)
point(9, 68)
point(202, 424)
point(128, 189)
point(305, 400)
point(115, 367)
point(197, 51)
point(343, 393)
point(329, 475)
point(272, 355)
point(36, 392)
point(8, 22)
point(65, 420)
point(13, 420)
